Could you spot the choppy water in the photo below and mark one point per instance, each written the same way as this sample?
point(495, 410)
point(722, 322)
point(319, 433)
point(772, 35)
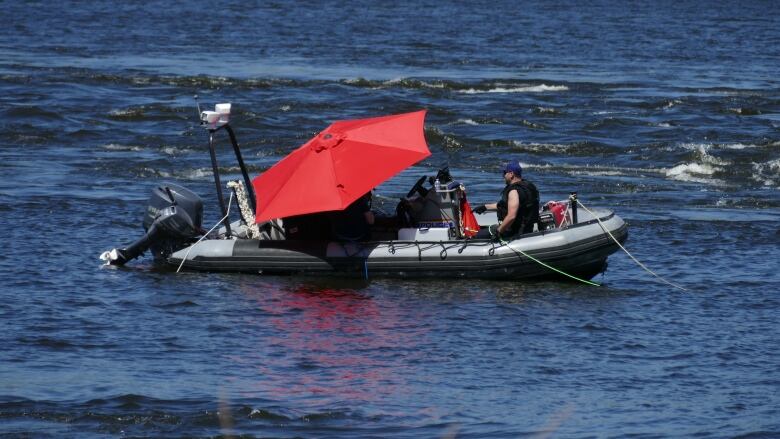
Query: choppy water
point(667, 112)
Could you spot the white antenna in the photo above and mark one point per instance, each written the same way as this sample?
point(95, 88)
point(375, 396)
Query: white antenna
point(197, 104)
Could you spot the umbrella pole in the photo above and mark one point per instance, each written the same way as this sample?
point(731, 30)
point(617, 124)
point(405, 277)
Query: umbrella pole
point(247, 182)
point(214, 166)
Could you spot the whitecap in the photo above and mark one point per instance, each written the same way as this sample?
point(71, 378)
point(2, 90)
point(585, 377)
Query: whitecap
point(118, 147)
point(155, 172)
point(739, 146)
point(596, 170)
point(692, 146)
point(546, 110)
point(541, 147)
point(471, 122)
point(767, 173)
point(198, 173)
point(128, 112)
point(429, 85)
point(691, 168)
point(695, 173)
point(171, 150)
point(402, 80)
point(601, 173)
point(705, 147)
point(528, 89)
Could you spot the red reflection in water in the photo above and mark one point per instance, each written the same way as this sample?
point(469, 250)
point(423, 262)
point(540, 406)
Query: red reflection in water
point(332, 344)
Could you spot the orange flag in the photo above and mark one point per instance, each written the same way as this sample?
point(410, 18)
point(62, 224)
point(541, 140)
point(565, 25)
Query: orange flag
point(468, 221)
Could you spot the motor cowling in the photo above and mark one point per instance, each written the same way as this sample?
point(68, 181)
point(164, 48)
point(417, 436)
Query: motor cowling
point(173, 217)
point(169, 194)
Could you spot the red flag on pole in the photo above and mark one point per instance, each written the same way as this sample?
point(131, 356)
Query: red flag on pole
point(468, 220)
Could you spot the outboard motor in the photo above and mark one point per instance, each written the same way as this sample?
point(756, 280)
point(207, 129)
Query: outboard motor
point(173, 217)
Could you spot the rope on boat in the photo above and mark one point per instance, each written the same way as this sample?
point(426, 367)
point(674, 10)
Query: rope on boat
point(253, 230)
point(518, 251)
point(230, 202)
point(629, 254)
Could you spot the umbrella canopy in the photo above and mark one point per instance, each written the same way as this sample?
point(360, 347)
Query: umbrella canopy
point(340, 164)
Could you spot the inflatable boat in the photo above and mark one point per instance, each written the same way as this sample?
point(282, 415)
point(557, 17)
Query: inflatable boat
point(579, 249)
point(425, 237)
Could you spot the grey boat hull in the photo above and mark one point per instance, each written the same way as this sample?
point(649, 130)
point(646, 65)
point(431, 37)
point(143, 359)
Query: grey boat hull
point(580, 250)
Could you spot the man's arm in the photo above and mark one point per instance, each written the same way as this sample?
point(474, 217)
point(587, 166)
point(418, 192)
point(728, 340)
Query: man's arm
point(513, 205)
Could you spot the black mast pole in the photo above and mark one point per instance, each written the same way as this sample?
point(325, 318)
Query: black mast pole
point(215, 167)
point(241, 165)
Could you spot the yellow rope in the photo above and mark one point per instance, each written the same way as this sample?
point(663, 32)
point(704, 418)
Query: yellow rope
point(629, 254)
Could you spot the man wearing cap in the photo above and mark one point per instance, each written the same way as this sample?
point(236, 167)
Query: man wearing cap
point(518, 208)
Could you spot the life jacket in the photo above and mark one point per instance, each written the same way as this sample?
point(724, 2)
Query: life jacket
point(528, 211)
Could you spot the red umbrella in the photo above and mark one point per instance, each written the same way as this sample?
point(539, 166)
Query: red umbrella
point(340, 164)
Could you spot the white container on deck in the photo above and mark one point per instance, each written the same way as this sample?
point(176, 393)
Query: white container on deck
point(424, 234)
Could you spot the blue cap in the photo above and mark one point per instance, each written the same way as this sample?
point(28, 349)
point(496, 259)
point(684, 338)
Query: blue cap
point(514, 167)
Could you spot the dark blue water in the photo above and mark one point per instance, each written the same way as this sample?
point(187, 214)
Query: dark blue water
point(667, 112)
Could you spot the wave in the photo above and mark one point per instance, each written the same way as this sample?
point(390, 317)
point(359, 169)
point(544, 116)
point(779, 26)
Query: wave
point(768, 173)
point(596, 170)
point(742, 111)
point(478, 121)
point(136, 78)
point(719, 163)
point(704, 147)
point(185, 174)
point(700, 168)
point(708, 173)
point(577, 148)
point(533, 125)
point(471, 122)
point(127, 114)
point(407, 83)
point(437, 136)
point(30, 112)
point(740, 203)
point(542, 88)
point(38, 137)
point(611, 122)
point(140, 415)
point(695, 173)
point(168, 150)
point(118, 147)
point(547, 111)
point(218, 82)
point(663, 104)
point(491, 86)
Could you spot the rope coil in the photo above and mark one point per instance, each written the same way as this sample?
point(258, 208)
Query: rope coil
point(252, 230)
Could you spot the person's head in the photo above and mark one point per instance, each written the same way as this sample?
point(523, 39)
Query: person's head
point(512, 171)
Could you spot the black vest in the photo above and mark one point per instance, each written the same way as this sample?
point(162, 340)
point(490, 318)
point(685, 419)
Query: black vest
point(528, 212)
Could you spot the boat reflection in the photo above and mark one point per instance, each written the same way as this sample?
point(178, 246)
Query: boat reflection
point(329, 345)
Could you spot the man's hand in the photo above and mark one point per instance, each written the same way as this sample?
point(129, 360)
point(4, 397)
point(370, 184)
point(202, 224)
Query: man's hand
point(479, 210)
point(494, 235)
